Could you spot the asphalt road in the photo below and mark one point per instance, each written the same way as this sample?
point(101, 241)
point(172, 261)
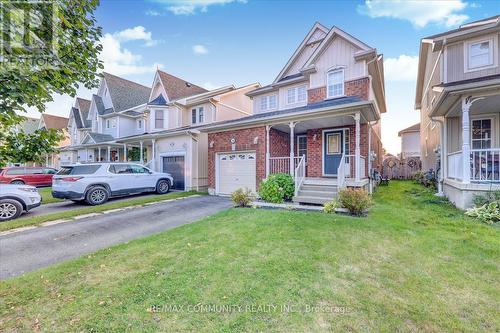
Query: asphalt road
point(29, 250)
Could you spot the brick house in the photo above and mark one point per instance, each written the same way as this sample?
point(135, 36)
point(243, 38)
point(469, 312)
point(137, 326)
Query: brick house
point(319, 121)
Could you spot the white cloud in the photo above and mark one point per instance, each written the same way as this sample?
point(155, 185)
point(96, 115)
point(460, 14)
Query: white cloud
point(419, 13)
point(402, 68)
point(120, 61)
point(191, 7)
point(199, 49)
point(152, 12)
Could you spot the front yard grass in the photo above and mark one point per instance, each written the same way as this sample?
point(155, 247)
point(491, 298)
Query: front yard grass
point(414, 264)
point(46, 193)
point(36, 220)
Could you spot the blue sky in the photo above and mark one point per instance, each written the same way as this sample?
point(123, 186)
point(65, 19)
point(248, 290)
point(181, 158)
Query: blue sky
point(218, 42)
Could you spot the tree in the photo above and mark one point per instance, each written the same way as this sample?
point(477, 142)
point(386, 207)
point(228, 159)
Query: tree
point(30, 75)
point(19, 147)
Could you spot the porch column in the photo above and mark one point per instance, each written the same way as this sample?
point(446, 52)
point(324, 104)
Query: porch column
point(99, 153)
point(268, 154)
point(466, 103)
point(124, 152)
point(109, 154)
point(141, 157)
point(370, 157)
point(357, 152)
point(292, 155)
point(153, 154)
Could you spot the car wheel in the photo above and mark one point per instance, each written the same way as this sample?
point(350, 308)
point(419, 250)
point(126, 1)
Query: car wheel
point(97, 195)
point(17, 182)
point(10, 209)
point(163, 186)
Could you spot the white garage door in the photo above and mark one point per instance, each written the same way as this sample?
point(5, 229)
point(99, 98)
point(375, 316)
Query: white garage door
point(236, 170)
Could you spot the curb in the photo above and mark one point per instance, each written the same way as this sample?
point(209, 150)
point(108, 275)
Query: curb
point(83, 216)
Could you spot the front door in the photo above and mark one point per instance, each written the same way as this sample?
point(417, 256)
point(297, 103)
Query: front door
point(333, 150)
point(174, 165)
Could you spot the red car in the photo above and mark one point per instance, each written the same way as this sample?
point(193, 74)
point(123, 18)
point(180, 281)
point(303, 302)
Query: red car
point(36, 176)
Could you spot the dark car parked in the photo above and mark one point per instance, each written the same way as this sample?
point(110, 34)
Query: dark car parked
point(35, 176)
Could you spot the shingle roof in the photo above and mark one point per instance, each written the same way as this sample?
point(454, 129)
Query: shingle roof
point(98, 137)
point(312, 106)
point(178, 88)
point(54, 122)
point(101, 110)
point(124, 93)
point(464, 27)
point(160, 100)
point(414, 128)
point(83, 103)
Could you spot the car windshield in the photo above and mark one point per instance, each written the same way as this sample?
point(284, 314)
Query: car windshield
point(78, 170)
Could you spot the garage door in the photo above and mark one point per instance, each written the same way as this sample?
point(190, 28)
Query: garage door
point(174, 165)
point(236, 171)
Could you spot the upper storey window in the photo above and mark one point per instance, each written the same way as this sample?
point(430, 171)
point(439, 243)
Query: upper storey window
point(479, 54)
point(296, 95)
point(335, 81)
point(269, 102)
point(198, 115)
point(159, 119)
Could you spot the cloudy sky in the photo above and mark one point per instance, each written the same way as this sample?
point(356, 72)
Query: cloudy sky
point(219, 42)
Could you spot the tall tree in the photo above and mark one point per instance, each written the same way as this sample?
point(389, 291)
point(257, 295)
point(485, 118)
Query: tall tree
point(47, 47)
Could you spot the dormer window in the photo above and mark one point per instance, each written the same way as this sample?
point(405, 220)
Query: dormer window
point(335, 79)
point(268, 102)
point(198, 115)
point(479, 54)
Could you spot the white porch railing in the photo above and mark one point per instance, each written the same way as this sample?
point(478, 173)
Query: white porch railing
point(341, 173)
point(485, 164)
point(363, 167)
point(281, 164)
point(300, 173)
point(150, 164)
point(455, 165)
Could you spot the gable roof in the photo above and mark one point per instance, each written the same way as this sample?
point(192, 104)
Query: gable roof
point(29, 125)
point(54, 122)
point(124, 93)
point(80, 113)
point(176, 87)
point(83, 103)
point(295, 55)
point(414, 128)
point(93, 137)
point(99, 104)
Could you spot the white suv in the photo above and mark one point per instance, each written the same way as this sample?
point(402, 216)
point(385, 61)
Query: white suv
point(95, 183)
point(14, 199)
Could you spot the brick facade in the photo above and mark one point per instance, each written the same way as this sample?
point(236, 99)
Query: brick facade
point(316, 95)
point(254, 139)
point(358, 87)
point(245, 140)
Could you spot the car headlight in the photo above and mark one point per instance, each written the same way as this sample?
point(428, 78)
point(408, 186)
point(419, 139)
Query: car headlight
point(28, 189)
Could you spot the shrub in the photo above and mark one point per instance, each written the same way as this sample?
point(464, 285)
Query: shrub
point(242, 197)
point(355, 200)
point(480, 200)
point(419, 177)
point(277, 188)
point(487, 213)
point(330, 206)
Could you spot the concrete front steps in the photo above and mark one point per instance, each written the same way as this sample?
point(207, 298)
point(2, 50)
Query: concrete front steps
point(316, 191)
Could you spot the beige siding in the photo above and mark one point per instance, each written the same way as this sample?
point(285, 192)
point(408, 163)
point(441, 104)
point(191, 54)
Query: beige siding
point(208, 114)
point(236, 100)
point(283, 93)
point(306, 52)
point(338, 53)
point(454, 135)
point(455, 63)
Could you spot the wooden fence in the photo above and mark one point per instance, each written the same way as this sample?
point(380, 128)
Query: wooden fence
point(394, 167)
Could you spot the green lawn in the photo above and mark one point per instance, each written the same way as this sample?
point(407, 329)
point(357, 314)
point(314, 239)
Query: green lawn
point(46, 193)
point(415, 264)
point(81, 210)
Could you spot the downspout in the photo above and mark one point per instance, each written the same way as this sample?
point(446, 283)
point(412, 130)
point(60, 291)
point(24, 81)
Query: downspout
point(188, 132)
point(441, 158)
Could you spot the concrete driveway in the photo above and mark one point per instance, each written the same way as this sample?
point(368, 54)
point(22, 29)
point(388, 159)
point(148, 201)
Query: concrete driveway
point(32, 249)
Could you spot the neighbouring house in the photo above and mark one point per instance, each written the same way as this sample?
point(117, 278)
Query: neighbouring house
point(157, 126)
point(410, 141)
point(48, 121)
point(28, 125)
point(319, 121)
point(458, 96)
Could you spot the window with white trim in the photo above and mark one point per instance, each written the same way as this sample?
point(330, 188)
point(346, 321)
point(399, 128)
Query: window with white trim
point(296, 95)
point(302, 145)
point(139, 123)
point(268, 102)
point(198, 115)
point(479, 54)
point(481, 133)
point(335, 81)
point(108, 123)
point(159, 119)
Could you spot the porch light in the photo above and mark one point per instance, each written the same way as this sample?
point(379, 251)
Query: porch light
point(255, 140)
point(211, 144)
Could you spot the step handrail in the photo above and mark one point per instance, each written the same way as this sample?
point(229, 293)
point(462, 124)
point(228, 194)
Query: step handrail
point(341, 173)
